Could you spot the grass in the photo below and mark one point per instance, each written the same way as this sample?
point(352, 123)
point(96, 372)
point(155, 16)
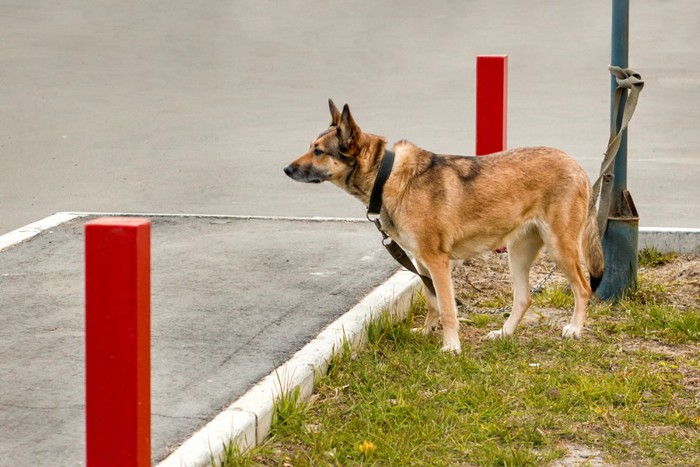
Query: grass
point(555, 297)
point(628, 390)
point(651, 257)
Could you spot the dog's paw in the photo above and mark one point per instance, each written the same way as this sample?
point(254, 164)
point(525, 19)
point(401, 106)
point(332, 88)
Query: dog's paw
point(571, 332)
point(495, 335)
point(452, 348)
point(426, 331)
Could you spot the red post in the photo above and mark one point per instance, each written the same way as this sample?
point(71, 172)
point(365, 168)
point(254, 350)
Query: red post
point(491, 103)
point(117, 341)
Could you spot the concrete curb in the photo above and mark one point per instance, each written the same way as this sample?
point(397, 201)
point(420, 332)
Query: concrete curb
point(668, 240)
point(246, 422)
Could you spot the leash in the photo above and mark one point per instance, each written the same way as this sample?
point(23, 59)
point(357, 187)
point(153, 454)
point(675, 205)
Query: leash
point(375, 206)
point(627, 80)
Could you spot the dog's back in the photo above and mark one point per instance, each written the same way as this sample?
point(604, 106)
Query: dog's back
point(483, 201)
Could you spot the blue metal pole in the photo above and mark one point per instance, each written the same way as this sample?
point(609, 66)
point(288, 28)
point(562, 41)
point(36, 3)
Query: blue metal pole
point(620, 240)
point(619, 56)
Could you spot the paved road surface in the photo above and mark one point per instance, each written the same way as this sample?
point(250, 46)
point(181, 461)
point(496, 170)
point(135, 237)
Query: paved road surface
point(195, 107)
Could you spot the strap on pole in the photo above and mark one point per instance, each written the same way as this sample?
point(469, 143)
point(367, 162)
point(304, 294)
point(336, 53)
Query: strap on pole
point(627, 80)
point(605, 201)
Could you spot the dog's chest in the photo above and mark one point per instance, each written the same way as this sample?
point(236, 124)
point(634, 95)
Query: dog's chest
point(402, 237)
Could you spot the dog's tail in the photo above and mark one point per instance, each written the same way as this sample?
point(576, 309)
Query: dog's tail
point(593, 250)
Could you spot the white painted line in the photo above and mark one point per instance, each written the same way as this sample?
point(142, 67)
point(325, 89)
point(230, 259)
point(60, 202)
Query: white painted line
point(664, 239)
point(35, 228)
point(222, 216)
point(247, 421)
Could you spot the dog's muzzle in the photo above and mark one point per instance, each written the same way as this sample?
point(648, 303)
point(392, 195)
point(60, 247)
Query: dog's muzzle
point(308, 175)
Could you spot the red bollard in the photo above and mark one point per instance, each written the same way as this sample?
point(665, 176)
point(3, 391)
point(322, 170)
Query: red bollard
point(491, 103)
point(117, 341)
point(491, 106)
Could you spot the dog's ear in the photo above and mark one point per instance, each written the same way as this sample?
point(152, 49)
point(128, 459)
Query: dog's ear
point(335, 113)
point(348, 129)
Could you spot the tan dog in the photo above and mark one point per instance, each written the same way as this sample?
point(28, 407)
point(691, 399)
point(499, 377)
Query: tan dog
point(443, 207)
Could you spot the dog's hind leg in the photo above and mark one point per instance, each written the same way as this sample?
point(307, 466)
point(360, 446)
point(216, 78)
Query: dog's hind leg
point(522, 251)
point(440, 271)
point(565, 251)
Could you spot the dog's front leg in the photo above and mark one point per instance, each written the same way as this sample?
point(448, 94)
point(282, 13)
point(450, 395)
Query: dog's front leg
point(432, 317)
point(438, 265)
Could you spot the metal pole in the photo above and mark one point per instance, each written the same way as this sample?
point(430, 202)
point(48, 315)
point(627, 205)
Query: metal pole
point(619, 56)
point(620, 240)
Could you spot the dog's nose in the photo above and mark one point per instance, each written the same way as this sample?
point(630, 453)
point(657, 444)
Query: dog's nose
point(289, 170)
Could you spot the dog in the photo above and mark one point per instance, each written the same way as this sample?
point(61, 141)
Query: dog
point(441, 208)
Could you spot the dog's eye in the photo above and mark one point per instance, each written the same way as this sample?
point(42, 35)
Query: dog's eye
point(317, 152)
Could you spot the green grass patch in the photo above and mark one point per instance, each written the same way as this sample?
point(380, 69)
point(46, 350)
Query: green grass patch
point(482, 320)
point(661, 322)
point(651, 257)
point(555, 297)
point(625, 390)
point(497, 301)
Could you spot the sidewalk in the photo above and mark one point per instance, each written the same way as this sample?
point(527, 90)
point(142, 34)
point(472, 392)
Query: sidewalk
point(227, 309)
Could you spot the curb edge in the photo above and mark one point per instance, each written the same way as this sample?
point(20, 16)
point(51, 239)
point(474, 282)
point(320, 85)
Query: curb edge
point(247, 421)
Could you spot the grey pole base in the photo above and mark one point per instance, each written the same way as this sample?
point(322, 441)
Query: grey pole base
point(620, 245)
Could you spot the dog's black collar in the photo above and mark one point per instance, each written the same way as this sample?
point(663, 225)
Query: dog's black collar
point(375, 199)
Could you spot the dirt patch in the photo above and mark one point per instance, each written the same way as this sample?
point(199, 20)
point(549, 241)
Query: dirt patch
point(680, 278)
point(483, 282)
point(579, 456)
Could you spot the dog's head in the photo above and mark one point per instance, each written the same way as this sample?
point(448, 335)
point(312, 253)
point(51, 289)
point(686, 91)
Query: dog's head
point(333, 154)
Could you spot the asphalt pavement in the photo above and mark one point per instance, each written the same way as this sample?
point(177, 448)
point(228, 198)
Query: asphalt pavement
point(195, 107)
point(232, 299)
